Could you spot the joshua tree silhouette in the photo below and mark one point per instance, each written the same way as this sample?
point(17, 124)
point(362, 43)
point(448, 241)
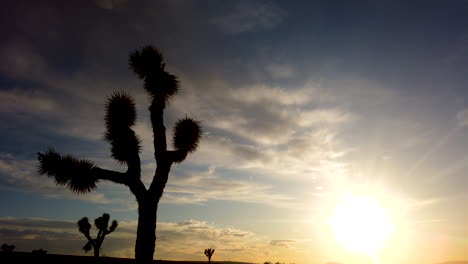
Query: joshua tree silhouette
point(102, 224)
point(209, 252)
point(81, 176)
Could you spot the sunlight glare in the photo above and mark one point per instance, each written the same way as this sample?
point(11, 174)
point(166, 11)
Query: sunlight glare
point(361, 224)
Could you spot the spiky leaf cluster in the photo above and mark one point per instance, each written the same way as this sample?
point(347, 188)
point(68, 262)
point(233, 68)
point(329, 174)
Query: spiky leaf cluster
point(146, 61)
point(113, 226)
point(120, 117)
point(148, 65)
point(102, 222)
point(84, 226)
point(209, 252)
point(67, 170)
point(187, 134)
point(162, 85)
point(120, 110)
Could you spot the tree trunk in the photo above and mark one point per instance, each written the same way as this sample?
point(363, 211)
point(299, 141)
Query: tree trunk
point(96, 252)
point(146, 231)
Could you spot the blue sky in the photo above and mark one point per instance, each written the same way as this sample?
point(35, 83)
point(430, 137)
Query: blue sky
point(300, 102)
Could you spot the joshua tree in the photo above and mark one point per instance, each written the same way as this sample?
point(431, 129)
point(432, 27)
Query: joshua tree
point(102, 224)
point(209, 252)
point(81, 176)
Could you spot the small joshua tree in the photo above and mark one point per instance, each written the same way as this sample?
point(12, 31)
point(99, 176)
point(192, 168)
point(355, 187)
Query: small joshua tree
point(209, 252)
point(102, 224)
point(81, 176)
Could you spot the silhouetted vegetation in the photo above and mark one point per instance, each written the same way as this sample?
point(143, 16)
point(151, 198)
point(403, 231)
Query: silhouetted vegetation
point(102, 224)
point(39, 252)
point(81, 176)
point(28, 258)
point(208, 253)
point(7, 248)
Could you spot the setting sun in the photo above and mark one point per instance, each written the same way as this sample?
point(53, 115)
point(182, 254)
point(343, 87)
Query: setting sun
point(361, 224)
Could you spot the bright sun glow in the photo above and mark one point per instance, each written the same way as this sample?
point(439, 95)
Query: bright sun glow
point(361, 224)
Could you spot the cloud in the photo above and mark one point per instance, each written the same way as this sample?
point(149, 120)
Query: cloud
point(458, 51)
point(268, 131)
point(324, 117)
point(280, 71)
point(422, 203)
point(262, 114)
point(110, 4)
point(262, 94)
point(304, 157)
point(462, 118)
point(281, 243)
point(20, 102)
point(250, 17)
point(201, 187)
point(20, 61)
point(181, 240)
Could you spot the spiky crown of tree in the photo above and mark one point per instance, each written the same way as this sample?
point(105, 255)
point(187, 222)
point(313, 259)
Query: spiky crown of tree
point(148, 64)
point(81, 176)
point(209, 252)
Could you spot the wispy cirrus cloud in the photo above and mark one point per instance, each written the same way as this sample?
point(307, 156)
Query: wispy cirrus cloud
point(20, 61)
point(282, 243)
point(462, 118)
point(201, 187)
point(110, 4)
point(250, 16)
point(17, 101)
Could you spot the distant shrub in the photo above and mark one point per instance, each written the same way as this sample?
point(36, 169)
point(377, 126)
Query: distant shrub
point(8, 248)
point(39, 252)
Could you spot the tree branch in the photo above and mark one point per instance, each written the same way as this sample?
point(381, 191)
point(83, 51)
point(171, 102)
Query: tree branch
point(159, 130)
point(161, 176)
point(79, 176)
point(113, 176)
point(137, 187)
point(89, 239)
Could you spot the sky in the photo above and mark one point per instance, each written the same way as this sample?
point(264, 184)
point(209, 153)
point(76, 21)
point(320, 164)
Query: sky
point(301, 103)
